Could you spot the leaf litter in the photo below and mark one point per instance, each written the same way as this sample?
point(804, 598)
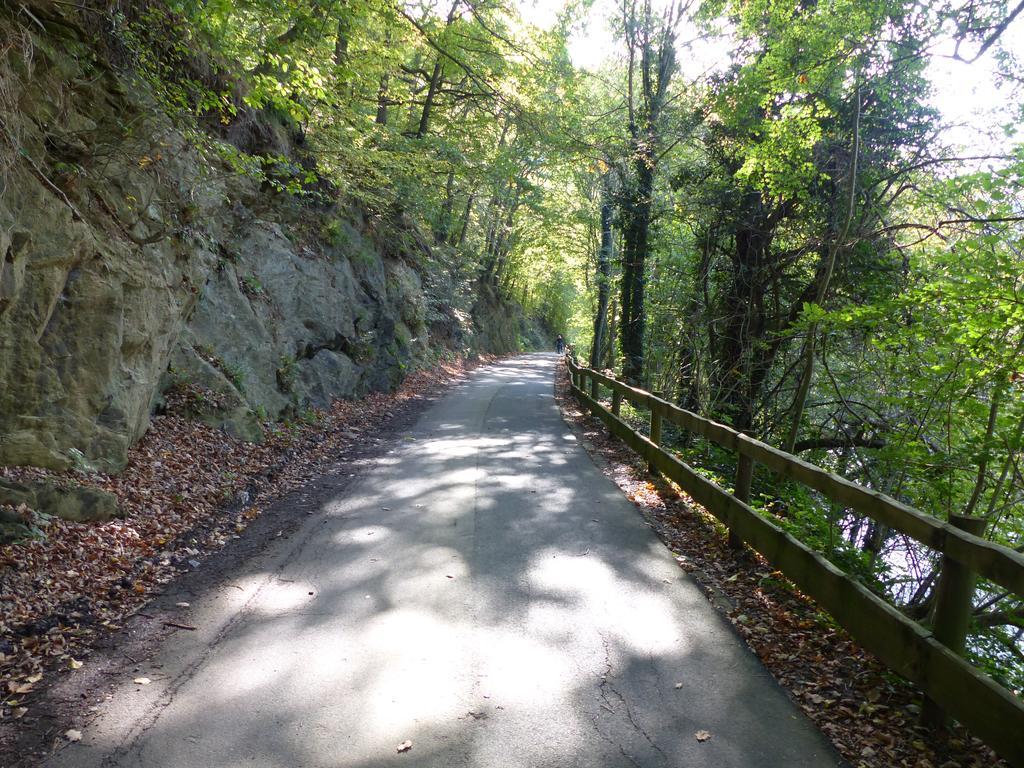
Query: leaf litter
point(869, 714)
point(187, 490)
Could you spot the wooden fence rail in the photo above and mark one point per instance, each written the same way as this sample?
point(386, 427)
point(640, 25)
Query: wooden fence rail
point(951, 683)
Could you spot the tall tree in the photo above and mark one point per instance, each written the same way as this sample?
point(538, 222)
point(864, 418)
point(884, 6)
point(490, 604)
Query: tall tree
point(604, 271)
point(650, 67)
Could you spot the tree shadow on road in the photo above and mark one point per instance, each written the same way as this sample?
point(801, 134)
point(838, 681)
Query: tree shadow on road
point(490, 597)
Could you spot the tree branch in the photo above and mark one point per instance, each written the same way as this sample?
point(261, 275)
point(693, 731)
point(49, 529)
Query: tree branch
point(838, 441)
point(991, 39)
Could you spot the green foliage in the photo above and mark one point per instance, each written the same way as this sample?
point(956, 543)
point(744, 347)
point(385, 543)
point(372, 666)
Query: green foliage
point(810, 236)
point(335, 233)
point(235, 374)
point(252, 287)
point(286, 373)
point(805, 237)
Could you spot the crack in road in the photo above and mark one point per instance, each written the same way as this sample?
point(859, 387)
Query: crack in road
point(491, 667)
point(606, 686)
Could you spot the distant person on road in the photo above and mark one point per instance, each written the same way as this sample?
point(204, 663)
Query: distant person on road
point(560, 345)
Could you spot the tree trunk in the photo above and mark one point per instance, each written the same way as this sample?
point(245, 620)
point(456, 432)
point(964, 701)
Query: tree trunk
point(741, 347)
point(688, 375)
point(837, 244)
point(441, 231)
point(382, 101)
point(636, 237)
point(342, 36)
point(435, 79)
point(604, 278)
point(465, 221)
point(428, 102)
point(613, 330)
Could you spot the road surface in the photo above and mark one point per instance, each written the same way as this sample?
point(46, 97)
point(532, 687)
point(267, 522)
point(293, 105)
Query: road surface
point(482, 592)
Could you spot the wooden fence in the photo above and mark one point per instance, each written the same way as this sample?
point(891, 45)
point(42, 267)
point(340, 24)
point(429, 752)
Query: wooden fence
point(928, 657)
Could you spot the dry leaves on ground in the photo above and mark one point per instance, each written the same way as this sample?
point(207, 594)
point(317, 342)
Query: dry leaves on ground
point(188, 489)
point(868, 713)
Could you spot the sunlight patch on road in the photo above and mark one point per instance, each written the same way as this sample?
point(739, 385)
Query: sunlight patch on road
point(517, 669)
point(279, 597)
point(425, 677)
point(365, 534)
point(643, 622)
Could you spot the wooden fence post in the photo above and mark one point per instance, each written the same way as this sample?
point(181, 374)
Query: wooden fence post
point(953, 604)
point(655, 429)
point(744, 478)
point(616, 402)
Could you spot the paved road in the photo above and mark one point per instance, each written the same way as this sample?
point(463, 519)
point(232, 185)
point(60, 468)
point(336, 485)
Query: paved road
point(483, 592)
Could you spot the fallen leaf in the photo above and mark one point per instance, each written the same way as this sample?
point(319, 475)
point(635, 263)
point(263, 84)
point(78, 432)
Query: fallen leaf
point(73, 734)
point(802, 648)
point(405, 746)
point(181, 474)
point(19, 712)
point(142, 681)
point(32, 679)
point(702, 735)
point(74, 664)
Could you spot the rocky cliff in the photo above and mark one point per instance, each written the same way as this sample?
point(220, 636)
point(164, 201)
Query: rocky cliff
point(133, 259)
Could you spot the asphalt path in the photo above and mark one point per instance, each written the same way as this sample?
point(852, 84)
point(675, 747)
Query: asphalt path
point(482, 592)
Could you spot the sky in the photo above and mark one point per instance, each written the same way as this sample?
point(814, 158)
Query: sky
point(973, 106)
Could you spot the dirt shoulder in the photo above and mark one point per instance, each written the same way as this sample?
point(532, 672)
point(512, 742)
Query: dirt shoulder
point(88, 603)
point(868, 713)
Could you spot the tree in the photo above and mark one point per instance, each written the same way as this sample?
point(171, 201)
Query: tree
point(651, 64)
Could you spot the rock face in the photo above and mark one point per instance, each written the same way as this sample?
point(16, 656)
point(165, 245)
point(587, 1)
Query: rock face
point(69, 500)
point(288, 326)
point(131, 261)
point(88, 317)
